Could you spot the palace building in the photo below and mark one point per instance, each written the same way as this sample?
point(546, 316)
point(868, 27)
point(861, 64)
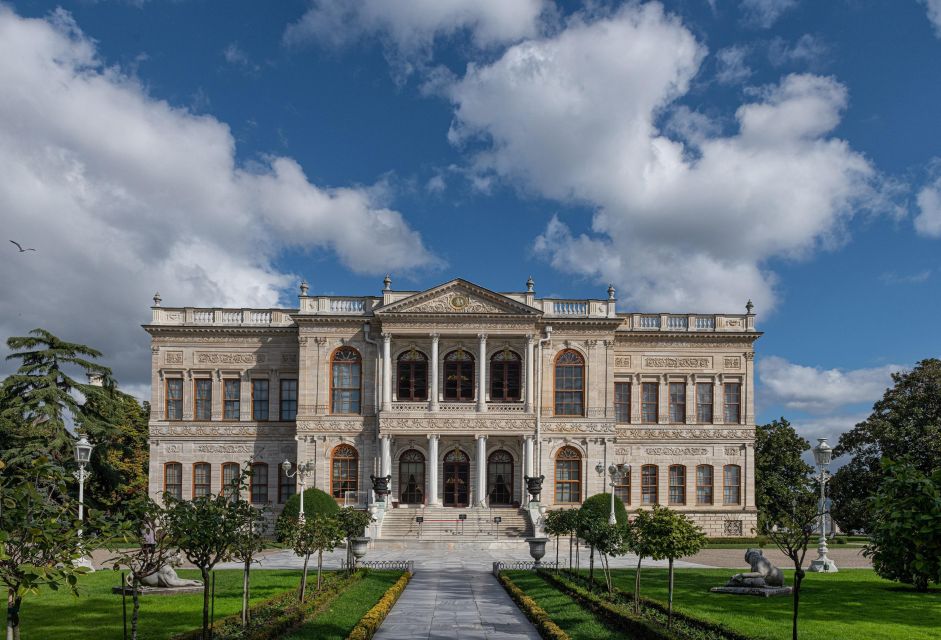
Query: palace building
point(458, 392)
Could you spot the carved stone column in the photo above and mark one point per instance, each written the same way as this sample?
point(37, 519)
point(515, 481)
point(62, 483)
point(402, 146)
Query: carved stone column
point(530, 377)
point(482, 471)
point(385, 460)
point(432, 476)
point(482, 373)
point(527, 465)
point(433, 400)
point(386, 372)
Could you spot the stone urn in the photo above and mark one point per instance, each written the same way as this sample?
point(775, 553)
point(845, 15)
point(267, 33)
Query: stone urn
point(358, 546)
point(534, 486)
point(380, 486)
point(537, 549)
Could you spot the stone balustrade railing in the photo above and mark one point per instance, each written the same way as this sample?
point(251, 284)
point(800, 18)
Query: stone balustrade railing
point(221, 317)
point(459, 407)
point(687, 322)
point(340, 305)
point(577, 308)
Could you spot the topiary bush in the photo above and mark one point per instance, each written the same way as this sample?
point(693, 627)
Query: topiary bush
point(315, 501)
point(599, 506)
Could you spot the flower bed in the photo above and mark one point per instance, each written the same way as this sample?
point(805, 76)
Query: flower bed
point(368, 625)
point(548, 629)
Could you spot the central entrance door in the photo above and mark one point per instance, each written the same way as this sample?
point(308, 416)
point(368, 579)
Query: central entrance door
point(456, 478)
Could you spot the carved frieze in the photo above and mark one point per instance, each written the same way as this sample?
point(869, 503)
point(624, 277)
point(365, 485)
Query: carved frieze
point(214, 357)
point(331, 426)
point(732, 451)
point(579, 427)
point(227, 448)
point(676, 451)
point(455, 302)
point(174, 357)
point(669, 362)
point(622, 361)
point(173, 448)
point(691, 434)
point(209, 430)
point(444, 423)
point(732, 362)
point(288, 358)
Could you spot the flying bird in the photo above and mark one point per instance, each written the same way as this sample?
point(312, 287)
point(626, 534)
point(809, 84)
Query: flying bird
point(20, 247)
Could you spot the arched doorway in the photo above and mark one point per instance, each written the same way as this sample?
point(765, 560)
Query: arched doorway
point(412, 477)
point(500, 478)
point(456, 478)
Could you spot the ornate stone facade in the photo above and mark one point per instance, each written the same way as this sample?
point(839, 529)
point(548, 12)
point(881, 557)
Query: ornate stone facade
point(391, 385)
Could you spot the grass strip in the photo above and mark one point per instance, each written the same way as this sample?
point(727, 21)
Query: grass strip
point(548, 629)
point(368, 625)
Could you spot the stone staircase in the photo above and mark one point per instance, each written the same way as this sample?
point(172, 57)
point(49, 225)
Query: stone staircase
point(441, 524)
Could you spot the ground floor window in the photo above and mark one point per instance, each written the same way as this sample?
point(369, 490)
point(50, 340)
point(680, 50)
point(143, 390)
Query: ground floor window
point(344, 473)
point(648, 484)
point(173, 479)
point(568, 475)
point(412, 477)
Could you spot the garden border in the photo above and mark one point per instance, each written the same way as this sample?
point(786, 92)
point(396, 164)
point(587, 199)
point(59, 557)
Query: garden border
point(548, 629)
point(369, 624)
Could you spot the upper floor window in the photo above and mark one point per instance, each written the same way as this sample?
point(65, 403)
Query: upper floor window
point(288, 399)
point(677, 402)
point(732, 484)
point(412, 373)
point(704, 484)
point(202, 479)
point(173, 479)
point(203, 399)
point(733, 402)
point(505, 376)
point(260, 399)
point(258, 487)
point(346, 381)
point(649, 493)
point(568, 475)
point(704, 399)
point(650, 402)
point(622, 402)
point(569, 384)
point(174, 398)
point(677, 484)
point(232, 389)
point(459, 376)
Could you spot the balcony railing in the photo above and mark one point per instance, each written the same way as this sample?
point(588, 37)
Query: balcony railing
point(221, 317)
point(459, 407)
point(341, 305)
point(688, 322)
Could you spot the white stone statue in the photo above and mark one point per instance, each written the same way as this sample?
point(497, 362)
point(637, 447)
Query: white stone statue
point(166, 578)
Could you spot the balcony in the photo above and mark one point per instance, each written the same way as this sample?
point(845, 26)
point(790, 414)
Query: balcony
point(193, 316)
point(692, 323)
point(339, 305)
point(517, 408)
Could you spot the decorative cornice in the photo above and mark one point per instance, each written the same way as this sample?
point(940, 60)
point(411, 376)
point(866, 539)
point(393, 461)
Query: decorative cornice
point(639, 434)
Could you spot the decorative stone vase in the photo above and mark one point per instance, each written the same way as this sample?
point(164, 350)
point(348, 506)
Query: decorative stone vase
point(534, 486)
point(380, 486)
point(537, 549)
point(358, 546)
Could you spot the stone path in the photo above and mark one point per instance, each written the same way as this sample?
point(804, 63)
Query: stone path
point(455, 604)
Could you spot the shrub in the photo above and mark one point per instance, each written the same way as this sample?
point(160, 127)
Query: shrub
point(368, 625)
point(315, 501)
point(599, 506)
point(548, 629)
point(840, 540)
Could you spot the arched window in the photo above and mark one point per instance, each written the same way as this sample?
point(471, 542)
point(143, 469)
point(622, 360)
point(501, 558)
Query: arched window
point(258, 487)
point(344, 473)
point(622, 490)
point(649, 493)
point(568, 475)
point(732, 484)
point(677, 484)
point(412, 376)
point(704, 484)
point(500, 478)
point(505, 376)
point(202, 479)
point(459, 376)
point(347, 380)
point(412, 477)
point(569, 384)
point(230, 479)
point(173, 479)
point(456, 478)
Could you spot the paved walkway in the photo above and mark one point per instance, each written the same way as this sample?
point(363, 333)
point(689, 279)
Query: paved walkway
point(455, 604)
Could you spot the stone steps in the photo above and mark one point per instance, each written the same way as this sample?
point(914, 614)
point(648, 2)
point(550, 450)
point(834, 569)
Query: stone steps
point(443, 524)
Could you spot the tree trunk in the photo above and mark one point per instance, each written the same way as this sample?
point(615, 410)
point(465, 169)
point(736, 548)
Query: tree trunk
point(591, 569)
point(319, 567)
point(135, 610)
point(637, 586)
point(13, 615)
point(670, 599)
point(245, 587)
point(205, 574)
point(570, 553)
point(557, 553)
point(798, 576)
point(303, 593)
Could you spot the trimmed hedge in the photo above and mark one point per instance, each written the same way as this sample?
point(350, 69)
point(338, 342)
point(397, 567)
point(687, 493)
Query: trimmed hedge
point(548, 629)
point(315, 501)
point(273, 618)
point(599, 506)
point(369, 624)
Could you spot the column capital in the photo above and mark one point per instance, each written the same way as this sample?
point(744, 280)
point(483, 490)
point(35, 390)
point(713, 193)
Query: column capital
point(530, 338)
point(386, 336)
point(482, 336)
point(434, 336)
point(480, 436)
point(433, 436)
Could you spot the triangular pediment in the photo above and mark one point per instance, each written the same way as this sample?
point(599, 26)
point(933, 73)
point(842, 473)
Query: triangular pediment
point(459, 297)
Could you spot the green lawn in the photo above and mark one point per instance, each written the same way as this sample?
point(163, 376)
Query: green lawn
point(854, 604)
point(337, 620)
point(58, 615)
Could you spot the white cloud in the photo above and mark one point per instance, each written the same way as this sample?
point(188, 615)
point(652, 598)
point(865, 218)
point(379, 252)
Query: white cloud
point(893, 278)
point(821, 391)
point(934, 14)
point(764, 13)
point(122, 194)
point(808, 50)
point(680, 226)
point(928, 220)
point(236, 56)
point(731, 67)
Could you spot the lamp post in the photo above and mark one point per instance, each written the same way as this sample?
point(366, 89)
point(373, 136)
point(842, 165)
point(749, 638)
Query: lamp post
point(301, 473)
point(823, 454)
point(617, 472)
point(83, 449)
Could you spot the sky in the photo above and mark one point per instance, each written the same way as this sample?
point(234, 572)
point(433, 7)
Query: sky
point(694, 153)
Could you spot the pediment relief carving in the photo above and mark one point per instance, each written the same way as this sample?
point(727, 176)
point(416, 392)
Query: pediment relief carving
point(458, 298)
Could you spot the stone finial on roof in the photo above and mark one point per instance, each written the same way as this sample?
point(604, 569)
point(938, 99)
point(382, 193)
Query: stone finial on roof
point(749, 307)
point(304, 287)
point(387, 283)
point(530, 285)
point(157, 299)
point(610, 292)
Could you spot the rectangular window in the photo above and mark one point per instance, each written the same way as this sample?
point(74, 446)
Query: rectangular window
point(286, 486)
point(174, 398)
point(203, 399)
point(650, 401)
point(233, 397)
point(258, 487)
point(230, 479)
point(733, 402)
point(678, 402)
point(648, 484)
point(202, 479)
point(622, 402)
point(704, 484)
point(173, 479)
point(288, 399)
point(568, 485)
point(704, 398)
point(677, 484)
point(732, 485)
point(259, 400)
point(622, 490)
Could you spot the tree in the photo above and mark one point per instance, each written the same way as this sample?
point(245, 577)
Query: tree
point(594, 512)
point(671, 535)
point(315, 501)
point(249, 540)
point(905, 537)
point(321, 532)
point(555, 525)
point(39, 534)
point(205, 530)
point(905, 426)
point(639, 540)
point(146, 522)
point(790, 531)
point(779, 466)
point(353, 523)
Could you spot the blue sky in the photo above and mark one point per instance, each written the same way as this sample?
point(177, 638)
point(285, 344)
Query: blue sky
point(696, 154)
